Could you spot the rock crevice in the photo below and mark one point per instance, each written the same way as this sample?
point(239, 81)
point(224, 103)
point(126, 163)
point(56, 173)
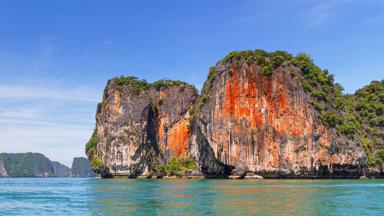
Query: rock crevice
point(249, 120)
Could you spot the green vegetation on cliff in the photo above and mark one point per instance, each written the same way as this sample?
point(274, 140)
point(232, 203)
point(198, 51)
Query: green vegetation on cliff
point(91, 144)
point(314, 80)
point(166, 83)
point(368, 104)
point(204, 97)
point(327, 97)
point(96, 162)
point(176, 165)
point(27, 165)
point(359, 117)
point(142, 85)
point(130, 81)
point(328, 100)
point(268, 61)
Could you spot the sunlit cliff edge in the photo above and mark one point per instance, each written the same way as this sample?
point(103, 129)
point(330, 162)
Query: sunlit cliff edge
point(259, 113)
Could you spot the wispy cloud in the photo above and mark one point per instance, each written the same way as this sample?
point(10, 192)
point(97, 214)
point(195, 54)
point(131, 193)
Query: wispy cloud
point(319, 14)
point(46, 130)
point(18, 114)
point(57, 141)
point(32, 92)
point(53, 120)
point(322, 12)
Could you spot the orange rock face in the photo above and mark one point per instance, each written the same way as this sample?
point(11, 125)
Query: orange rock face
point(175, 140)
point(138, 130)
point(245, 121)
point(173, 135)
point(265, 124)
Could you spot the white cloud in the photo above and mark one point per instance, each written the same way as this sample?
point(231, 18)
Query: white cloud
point(51, 120)
point(18, 114)
point(32, 92)
point(39, 109)
point(59, 142)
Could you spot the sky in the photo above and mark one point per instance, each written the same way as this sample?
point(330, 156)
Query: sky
point(57, 55)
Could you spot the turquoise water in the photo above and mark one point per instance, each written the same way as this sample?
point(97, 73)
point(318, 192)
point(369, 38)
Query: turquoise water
point(190, 197)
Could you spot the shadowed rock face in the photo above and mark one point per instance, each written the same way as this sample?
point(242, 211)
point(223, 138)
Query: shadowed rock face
point(3, 171)
point(264, 124)
point(60, 170)
point(138, 130)
point(81, 168)
point(244, 121)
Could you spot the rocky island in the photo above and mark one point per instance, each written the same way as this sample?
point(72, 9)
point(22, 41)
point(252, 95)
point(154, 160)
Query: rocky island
point(81, 168)
point(36, 165)
point(30, 165)
point(259, 113)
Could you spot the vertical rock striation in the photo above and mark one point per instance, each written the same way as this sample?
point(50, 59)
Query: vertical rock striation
point(140, 125)
point(3, 171)
point(265, 124)
point(265, 113)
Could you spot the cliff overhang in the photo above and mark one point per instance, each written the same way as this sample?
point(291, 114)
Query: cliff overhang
point(259, 113)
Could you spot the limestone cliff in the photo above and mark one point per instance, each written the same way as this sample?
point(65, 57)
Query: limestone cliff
point(81, 168)
point(266, 123)
point(60, 170)
point(265, 113)
point(25, 165)
point(140, 125)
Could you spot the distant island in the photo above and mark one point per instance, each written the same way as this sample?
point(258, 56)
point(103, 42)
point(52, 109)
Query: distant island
point(81, 168)
point(259, 114)
point(38, 165)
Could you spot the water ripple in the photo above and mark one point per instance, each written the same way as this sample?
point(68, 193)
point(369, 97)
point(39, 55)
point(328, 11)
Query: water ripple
point(57, 197)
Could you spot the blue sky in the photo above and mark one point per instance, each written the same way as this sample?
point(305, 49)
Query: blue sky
point(56, 56)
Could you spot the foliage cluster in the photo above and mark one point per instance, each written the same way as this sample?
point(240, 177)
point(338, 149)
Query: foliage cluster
point(359, 116)
point(96, 162)
point(369, 105)
point(91, 144)
point(132, 82)
point(204, 97)
point(335, 109)
point(165, 83)
point(175, 165)
point(327, 95)
point(142, 85)
point(26, 164)
point(268, 61)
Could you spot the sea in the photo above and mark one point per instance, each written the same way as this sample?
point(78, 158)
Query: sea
point(93, 196)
